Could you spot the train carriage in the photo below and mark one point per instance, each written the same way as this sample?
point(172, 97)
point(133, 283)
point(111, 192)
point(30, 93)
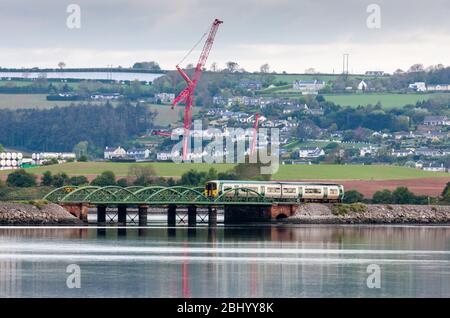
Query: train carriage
point(281, 191)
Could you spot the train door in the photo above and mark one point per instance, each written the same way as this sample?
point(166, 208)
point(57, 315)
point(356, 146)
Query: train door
point(300, 193)
point(263, 190)
point(325, 193)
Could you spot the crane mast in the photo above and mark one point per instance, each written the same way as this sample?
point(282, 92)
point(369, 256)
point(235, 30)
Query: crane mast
point(187, 95)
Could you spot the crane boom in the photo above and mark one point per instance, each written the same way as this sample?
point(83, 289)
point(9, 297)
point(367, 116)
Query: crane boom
point(187, 95)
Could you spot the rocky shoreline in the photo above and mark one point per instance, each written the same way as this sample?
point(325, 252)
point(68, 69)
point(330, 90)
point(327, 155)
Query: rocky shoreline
point(35, 214)
point(370, 214)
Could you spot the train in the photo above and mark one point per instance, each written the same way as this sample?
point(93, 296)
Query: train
point(283, 191)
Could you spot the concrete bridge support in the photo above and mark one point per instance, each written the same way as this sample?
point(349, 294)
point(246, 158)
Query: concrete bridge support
point(79, 210)
point(192, 215)
point(235, 214)
point(122, 214)
point(101, 214)
point(143, 211)
point(172, 215)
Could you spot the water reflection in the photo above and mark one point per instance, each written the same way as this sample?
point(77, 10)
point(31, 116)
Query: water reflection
point(239, 261)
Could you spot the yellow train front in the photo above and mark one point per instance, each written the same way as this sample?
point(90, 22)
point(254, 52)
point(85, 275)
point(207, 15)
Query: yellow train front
point(283, 191)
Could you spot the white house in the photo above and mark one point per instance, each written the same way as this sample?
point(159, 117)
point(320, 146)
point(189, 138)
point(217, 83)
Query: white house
point(435, 167)
point(110, 153)
point(311, 153)
point(165, 98)
point(362, 86)
point(418, 87)
point(438, 88)
point(164, 156)
point(368, 151)
point(436, 121)
point(308, 86)
point(402, 153)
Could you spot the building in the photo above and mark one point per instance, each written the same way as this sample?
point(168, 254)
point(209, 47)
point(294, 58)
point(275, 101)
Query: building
point(436, 121)
point(368, 151)
point(438, 88)
point(310, 153)
point(139, 154)
point(106, 96)
point(308, 87)
point(428, 152)
point(434, 167)
point(418, 87)
point(164, 156)
point(251, 85)
point(164, 98)
point(402, 153)
point(111, 153)
point(375, 73)
point(362, 86)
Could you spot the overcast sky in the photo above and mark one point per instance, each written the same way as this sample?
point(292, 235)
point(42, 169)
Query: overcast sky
point(290, 35)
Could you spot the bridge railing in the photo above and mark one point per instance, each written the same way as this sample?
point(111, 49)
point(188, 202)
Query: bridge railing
point(154, 195)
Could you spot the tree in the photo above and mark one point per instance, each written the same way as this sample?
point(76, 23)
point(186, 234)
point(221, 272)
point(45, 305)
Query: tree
point(353, 196)
point(22, 179)
point(382, 197)
point(151, 66)
point(143, 175)
point(214, 67)
point(1, 148)
point(61, 65)
point(232, 66)
point(107, 178)
point(78, 181)
point(122, 183)
point(47, 179)
point(83, 158)
point(192, 178)
point(81, 149)
point(416, 68)
point(402, 195)
point(60, 179)
point(265, 68)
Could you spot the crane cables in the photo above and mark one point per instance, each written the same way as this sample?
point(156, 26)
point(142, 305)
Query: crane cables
point(194, 47)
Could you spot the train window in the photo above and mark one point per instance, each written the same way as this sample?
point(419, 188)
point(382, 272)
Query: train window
point(313, 191)
point(211, 186)
point(274, 190)
point(289, 190)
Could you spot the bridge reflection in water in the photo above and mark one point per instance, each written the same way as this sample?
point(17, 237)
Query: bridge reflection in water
point(239, 205)
point(226, 261)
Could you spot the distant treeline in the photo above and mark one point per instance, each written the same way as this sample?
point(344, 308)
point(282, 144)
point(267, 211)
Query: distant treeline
point(68, 70)
point(59, 129)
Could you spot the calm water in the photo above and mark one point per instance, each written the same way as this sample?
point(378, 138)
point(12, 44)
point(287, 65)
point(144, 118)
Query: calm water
point(250, 261)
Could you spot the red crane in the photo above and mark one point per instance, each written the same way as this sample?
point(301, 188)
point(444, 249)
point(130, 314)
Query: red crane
point(255, 135)
point(187, 95)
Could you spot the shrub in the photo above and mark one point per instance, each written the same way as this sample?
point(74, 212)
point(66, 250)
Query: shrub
point(21, 178)
point(353, 196)
point(59, 180)
point(46, 179)
point(122, 183)
point(107, 178)
point(78, 181)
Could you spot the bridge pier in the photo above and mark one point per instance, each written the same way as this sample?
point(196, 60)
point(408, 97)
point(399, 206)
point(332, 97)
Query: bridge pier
point(79, 210)
point(172, 215)
point(143, 211)
point(212, 216)
point(122, 214)
point(192, 215)
point(101, 214)
point(234, 214)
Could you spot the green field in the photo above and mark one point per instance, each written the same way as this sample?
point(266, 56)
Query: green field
point(286, 172)
point(16, 101)
point(166, 115)
point(387, 100)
